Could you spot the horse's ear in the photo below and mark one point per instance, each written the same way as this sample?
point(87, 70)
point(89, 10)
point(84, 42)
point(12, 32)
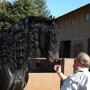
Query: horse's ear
point(52, 18)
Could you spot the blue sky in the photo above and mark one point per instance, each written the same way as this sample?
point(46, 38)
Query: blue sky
point(61, 7)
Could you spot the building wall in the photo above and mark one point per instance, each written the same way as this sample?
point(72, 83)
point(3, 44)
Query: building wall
point(79, 32)
point(77, 46)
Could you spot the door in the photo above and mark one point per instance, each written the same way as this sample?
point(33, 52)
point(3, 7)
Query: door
point(65, 49)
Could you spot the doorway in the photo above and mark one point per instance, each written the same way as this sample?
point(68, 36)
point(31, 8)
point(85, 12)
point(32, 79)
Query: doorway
point(65, 49)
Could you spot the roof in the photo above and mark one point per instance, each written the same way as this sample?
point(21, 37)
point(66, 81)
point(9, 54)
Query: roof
point(75, 10)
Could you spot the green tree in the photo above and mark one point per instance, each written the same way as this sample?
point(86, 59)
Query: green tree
point(12, 12)
point(4, 15)
point(41, 8)
point(23, 8)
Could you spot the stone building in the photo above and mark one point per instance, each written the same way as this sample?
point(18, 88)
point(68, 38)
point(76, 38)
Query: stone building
point(74, 31)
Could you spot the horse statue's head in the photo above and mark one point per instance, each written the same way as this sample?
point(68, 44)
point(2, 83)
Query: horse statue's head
point(29, 37)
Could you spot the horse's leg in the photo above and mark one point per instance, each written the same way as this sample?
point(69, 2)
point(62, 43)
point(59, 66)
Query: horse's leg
point(6, 78)
point(21, 78)
point(15, 80)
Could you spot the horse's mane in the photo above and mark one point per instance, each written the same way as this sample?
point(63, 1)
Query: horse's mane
point(23, 39)
point(29, 37)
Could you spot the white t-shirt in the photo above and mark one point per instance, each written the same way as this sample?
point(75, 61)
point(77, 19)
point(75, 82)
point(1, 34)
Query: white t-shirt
point(79, 80)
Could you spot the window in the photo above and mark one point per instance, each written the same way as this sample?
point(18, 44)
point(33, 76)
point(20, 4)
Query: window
point(87, 16)
point(73, 21)
point(66, 23)
point(60, 25)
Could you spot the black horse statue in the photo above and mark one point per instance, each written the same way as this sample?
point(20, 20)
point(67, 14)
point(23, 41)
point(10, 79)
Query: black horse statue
point(20, 42)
